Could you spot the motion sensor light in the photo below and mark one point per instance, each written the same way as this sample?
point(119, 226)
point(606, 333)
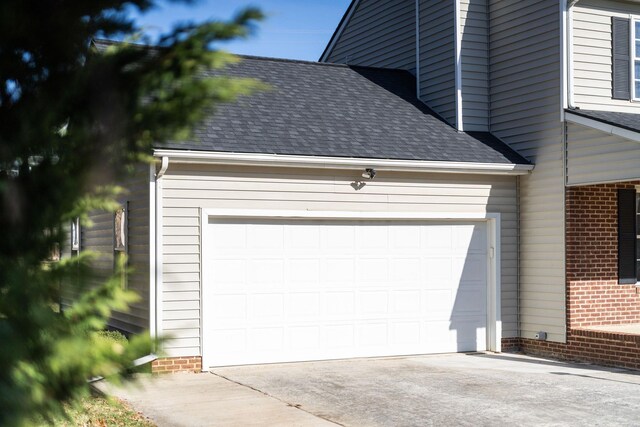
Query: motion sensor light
point(369, 173)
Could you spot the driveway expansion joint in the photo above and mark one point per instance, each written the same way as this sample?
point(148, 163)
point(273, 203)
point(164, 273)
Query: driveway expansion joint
point(293, 405)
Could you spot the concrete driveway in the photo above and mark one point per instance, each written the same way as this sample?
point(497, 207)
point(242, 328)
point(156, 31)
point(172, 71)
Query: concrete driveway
point(457, 389)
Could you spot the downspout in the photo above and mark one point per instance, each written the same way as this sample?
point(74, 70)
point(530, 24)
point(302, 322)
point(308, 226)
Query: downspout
point(569, 50)
point(458, 66)
point(158, 267)
point(418, 76)
point(518, 260)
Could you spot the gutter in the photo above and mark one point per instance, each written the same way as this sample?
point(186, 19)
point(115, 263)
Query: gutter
point(348, 163)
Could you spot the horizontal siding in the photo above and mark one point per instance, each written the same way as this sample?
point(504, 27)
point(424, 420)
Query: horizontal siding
point(99, 239)
point(437, 57)
point(525, 107)
point(475, 64)
point(381, 34)
point(591, 154)
point(187, 189)
point(592, 54)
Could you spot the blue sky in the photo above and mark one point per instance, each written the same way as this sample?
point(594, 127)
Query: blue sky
point(295, 29)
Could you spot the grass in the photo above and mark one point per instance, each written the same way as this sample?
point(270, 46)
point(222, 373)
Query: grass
point(102, 412)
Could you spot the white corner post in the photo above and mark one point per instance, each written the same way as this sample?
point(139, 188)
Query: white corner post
point(494, 294)
point(152, 252)
point(156, 260)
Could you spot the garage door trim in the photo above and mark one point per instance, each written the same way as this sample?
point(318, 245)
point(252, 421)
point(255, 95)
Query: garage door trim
point(494, 323)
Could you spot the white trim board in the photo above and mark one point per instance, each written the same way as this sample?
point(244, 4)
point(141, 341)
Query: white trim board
point(603, 127)
point(494, 319)
point(334, 39)
point(276, 160)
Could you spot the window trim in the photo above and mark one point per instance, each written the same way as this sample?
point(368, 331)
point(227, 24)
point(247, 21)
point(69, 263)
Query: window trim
point(632, 57)
point(627, 252)
point(637, 188)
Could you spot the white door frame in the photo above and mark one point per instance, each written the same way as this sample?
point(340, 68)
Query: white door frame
point(494, 316)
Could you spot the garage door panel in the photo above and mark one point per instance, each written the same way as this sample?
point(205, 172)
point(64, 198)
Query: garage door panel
point(373, 303)
point(304, 305)
point(265, 272)
point(336, 238)
point(372, 270)
point(337, 289)
point(405, 334)
point(406, 271)
point(265, 236)
point(406, 302)
point(438, 271)
point(338, 271)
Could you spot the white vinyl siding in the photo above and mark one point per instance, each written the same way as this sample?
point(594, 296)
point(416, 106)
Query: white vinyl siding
point(591, 155)
point(592, 54)
point(475, 64)
point(187, 189)
point(99, 239)
point(437, 58)
point(525, 64)
point(380, 34)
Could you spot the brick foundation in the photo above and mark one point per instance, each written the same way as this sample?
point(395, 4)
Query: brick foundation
point(602, 348)
point(177, 364)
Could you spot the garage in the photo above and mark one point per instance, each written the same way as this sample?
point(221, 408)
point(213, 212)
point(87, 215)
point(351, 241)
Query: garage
point(300, 289)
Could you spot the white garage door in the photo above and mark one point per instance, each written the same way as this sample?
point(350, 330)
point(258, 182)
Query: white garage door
point(295, 290)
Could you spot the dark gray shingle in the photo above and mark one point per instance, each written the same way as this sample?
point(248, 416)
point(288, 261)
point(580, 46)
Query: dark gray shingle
point(629, 121)
point(332, 110)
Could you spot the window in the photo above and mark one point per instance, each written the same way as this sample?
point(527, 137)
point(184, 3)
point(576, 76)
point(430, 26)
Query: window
point(628, 219)
point(120, 230)
point(635, 56)
point(621, 35)
point(120, 241)
point(637, 236)
point(75, 235)
point(625, 37)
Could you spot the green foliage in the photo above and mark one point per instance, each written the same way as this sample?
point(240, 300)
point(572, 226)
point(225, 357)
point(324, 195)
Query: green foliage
point(114, 337)
point(100, 412)
point(72, 119)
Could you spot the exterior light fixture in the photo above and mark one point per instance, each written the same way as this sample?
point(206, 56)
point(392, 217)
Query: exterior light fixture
point(369, 173)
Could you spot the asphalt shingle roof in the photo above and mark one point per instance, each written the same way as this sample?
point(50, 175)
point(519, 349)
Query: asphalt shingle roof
point(629, 121)
point(318, 109)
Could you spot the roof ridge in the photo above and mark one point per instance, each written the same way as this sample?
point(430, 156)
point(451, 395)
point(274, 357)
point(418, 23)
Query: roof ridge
point(259, 58)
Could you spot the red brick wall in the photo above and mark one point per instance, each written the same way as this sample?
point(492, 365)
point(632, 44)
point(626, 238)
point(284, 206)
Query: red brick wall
point(177, 364)
point(594, 296)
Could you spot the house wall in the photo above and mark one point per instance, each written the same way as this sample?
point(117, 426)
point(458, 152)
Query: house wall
point(187, 189)
point(437, 57)
point(381, 34)
point(525, 90)
point(591, 154)
point(594, 296)
point(474, 22)
point(592, 54)
point(99, 239)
